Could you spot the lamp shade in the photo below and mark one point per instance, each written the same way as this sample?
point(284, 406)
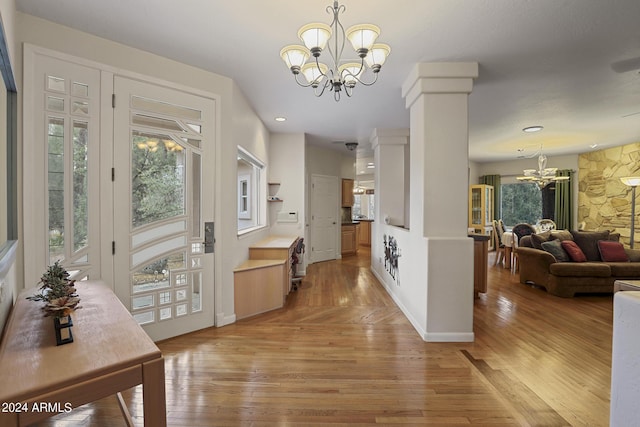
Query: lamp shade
point(315, 35)
point(294, 55)
point(314, 73)
point(631, 181)
point(377, 54)
point(363, 36)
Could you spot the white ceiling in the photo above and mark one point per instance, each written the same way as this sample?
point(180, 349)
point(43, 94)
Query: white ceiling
point(568, 65)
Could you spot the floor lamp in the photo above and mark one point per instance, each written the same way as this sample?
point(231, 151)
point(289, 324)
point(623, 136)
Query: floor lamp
point(633, 182)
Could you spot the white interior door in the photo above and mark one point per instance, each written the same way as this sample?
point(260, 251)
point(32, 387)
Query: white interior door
point(163, 191)
point(324, 217)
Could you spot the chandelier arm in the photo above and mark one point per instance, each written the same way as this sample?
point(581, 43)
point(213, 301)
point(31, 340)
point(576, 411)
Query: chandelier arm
point(326, 84)
point(295, 77)
point(355, 76)
point(338, 29)
point(319, 69)
point(348, 90)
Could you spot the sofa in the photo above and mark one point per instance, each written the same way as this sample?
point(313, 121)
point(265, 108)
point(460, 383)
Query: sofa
point(566, 263)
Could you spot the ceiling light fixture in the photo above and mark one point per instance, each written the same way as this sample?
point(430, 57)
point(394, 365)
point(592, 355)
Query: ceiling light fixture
point(280, 119)
point(531, 129)
point(543, 175)
point(338, 74)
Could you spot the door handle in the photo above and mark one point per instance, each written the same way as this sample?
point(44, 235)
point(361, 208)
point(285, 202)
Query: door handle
point(209, 237)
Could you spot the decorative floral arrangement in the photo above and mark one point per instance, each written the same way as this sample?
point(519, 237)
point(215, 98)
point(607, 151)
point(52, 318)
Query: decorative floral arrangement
point(57, 291)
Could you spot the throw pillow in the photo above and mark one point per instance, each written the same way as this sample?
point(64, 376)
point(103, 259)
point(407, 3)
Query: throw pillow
point(612, 251)
point(561, 235)
point(538, 238)
point(588, 242)
point(554, 247)
point(574, 251)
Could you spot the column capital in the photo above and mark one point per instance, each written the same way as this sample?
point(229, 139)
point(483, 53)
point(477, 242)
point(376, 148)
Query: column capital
point(389, 137)
point(439, 77)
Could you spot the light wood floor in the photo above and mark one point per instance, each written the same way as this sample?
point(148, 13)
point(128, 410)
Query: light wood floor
point(341, 353)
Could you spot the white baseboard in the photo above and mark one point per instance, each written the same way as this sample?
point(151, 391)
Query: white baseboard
point(449, 337)
point(222, 320)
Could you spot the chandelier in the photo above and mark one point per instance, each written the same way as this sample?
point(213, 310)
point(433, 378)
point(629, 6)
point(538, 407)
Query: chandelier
point(543, 175)
point(337, 74)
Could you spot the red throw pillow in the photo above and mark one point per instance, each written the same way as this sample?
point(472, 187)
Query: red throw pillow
point(612, 251)
point(574, 251)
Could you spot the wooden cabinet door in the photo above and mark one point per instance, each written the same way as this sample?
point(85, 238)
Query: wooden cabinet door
point(348, 239)
point(364, 238)
point(347, 193)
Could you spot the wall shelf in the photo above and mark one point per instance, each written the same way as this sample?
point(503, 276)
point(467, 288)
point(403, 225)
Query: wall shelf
point(273, 192)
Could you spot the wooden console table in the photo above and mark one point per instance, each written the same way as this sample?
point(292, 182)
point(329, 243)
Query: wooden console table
point(276, 247)
point(110, 353)
point(258, 286)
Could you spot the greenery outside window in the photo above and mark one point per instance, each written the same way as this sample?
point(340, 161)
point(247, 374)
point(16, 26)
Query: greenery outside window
point(251, 192)
point(8, 151)
point(520, 203)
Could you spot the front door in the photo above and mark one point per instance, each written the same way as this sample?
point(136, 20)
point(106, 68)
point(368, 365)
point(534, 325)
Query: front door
point(163, 196)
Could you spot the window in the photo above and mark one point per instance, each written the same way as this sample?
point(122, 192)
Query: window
point(520, 202)
point(363, 205)
point(251, 192)
point(8, 149)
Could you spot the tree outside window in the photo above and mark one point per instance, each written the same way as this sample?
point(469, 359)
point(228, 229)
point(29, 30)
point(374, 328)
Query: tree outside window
point(521, 203)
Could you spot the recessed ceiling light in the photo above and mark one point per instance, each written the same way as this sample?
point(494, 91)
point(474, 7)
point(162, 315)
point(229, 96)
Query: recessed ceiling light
point(536, 128)
point(593, 145)
point(280, 119)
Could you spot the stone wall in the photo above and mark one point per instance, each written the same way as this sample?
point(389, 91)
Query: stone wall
point(604, 202)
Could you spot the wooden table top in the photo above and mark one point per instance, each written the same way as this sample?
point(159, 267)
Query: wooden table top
point(252, 264)
point(275, 242)
point(106, 339)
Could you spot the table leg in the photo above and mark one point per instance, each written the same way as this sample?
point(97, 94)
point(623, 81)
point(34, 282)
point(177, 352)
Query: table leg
point(507, 257)
point(153, 393)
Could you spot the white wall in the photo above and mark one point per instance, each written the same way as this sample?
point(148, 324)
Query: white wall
point(625, 370)
point(237, 124)
point(287, 168)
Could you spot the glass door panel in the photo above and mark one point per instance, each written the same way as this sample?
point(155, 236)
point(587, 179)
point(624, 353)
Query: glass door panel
point(162, 273)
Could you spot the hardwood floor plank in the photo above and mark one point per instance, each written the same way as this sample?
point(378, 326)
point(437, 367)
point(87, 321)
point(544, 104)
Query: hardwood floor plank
point(341, 353)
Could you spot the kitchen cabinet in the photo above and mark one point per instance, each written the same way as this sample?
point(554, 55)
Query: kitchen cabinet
point(349, 239)
point(481, 210)
point(364, 237)
point(347, 193)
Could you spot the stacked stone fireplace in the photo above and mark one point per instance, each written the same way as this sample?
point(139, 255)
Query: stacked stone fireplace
point(604, 202)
